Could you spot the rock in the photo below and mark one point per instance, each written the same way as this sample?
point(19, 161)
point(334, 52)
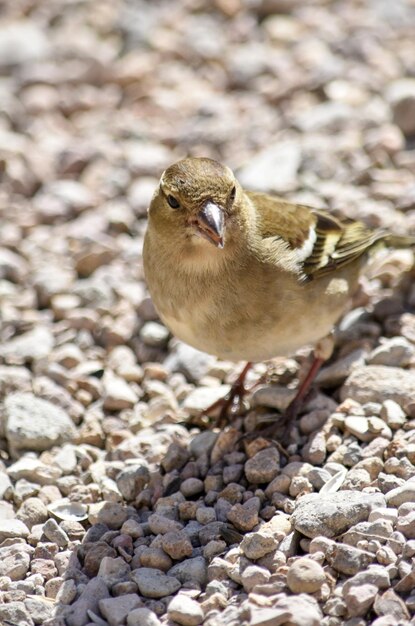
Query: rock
point(348, 559)
point(153, 583)
point(13, 528)
point(94, 591)
point(175, 457)
point(393, 352)
point(143, 617)
point(301, 610)
point(254, 575)
point(404, 493)
point(391, 604)
point(155, 558)
point(191, 487)
point(15, 612)
point(160, 525)
point(359, 599)
point(190, 570)
point(113, 570)
point(191, 362)
point(273, 396)
point(202, 398)
point(22, 42)
point(334, 374)
point(55, 534)
point(67, 591)
point(154, 334)
point(31, 346)
point(15, 561)
point(32, 512)
point(367, 428)
point(376, 575)
point(202, 443)
point(12, 266)
point(305, 576)
point(332, 514)
point(39, 609)
point(95, 553)
point(132, 480)
point(401, 96)
point(258, 544)
point(177, 545)
point(185, 611)
point(118, 394)
point(406, 525)
point(393, 415)
point(116, 610)
point(376, 383)
point(260, 173)
point(112, 514)
point(244, 516)
point(35, 424)
point(263, 466)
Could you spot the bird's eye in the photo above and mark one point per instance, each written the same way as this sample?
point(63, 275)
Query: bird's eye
point(173, 202)
point(232, 194)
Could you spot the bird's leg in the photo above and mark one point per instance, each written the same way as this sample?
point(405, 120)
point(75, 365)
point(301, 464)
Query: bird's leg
point(236, 392)
point(322, 352)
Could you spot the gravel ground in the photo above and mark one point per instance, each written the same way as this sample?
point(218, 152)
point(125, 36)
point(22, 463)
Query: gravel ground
point(114, 511)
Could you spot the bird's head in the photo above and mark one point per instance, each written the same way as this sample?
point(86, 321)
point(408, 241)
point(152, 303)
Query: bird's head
point(196, 201)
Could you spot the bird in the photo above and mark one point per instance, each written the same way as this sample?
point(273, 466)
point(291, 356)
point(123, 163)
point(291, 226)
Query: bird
point(248, 276)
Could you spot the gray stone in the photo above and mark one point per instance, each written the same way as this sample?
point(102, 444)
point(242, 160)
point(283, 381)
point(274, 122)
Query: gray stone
point(359, 599)
point(15, 614)
point(401, 96)
point(301, 610)
point(399, 495)
point(376, 383)
point(190, 570)
point(15, 561)
point(132, 480)
point(393, 352)
point(305, 576)
point(118, 394)
point(93, 592)
point(154, 334)
point(12, 528)
point(35, 424)
point(349, 560)
point(334, 374)
point(39, 609)
point(191, 362)
point(332, 514)
point(33, 345)
point(202, 398)
point(202, 443)
point(153, 583)
point(143, 617)
point(55, 533)
point(185, 611)
point(115, 610)
point(263, 466)
point(260, 173)
point(256, 545)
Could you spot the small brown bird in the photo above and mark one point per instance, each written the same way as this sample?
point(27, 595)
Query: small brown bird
point(245, 275)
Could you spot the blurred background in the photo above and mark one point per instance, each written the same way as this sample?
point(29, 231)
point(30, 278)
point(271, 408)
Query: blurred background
point(313, 100)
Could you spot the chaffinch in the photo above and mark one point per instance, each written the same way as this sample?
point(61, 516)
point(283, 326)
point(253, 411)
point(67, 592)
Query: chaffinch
point(245, 275)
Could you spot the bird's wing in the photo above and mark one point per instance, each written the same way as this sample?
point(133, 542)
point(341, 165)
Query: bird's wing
point(319, 242)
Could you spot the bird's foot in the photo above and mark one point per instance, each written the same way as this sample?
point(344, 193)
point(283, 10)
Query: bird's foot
point(225, 405)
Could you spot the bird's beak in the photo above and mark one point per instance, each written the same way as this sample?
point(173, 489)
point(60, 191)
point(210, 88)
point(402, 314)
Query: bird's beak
point(210, 223)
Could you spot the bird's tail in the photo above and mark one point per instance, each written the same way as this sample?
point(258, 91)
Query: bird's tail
point(399, 241)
